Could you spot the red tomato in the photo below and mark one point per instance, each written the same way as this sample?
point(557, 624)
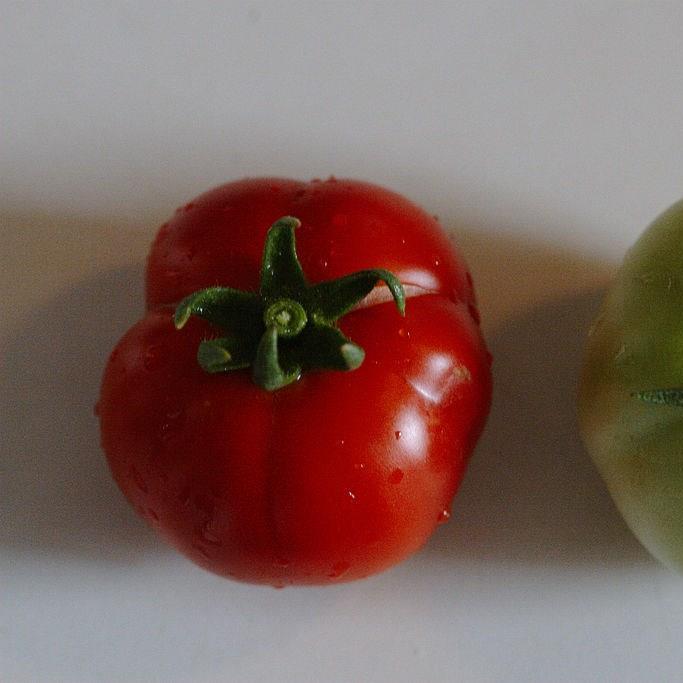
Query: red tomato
point(337, 475)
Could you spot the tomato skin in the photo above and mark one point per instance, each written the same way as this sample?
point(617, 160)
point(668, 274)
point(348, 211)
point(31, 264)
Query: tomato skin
point(333, 478)
point(346, 226)
point(634, 346)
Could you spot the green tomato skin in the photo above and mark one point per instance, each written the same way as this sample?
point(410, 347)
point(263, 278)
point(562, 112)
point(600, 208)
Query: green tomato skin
point(636, 344)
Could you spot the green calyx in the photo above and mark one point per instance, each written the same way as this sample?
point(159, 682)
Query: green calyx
point(289, 326)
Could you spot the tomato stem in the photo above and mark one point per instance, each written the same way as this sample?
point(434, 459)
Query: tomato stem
point(288, 327)
point(287, 316)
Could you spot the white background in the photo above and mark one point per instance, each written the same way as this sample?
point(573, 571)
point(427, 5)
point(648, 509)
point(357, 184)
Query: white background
point(546, 135)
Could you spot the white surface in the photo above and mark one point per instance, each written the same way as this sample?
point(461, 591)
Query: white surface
point(546, 135)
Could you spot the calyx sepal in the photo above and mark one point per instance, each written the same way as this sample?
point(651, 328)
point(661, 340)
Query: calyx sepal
point(289, 326)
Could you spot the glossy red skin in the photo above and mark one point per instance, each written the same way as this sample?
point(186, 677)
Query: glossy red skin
point(346, 226)
point(339, 475)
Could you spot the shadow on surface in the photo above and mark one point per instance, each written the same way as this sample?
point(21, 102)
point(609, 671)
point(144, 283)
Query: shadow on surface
point(531, 494)
point(56, 492)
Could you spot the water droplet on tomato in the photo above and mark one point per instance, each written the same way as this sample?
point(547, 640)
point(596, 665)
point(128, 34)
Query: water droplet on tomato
point(201, 550)
point(137, 479)
point(402, 332)
point(443, 516)
point(396, 476)
point(189, 207)
point(152, 358)
point(281, 562)
point(166, 432)
point(359, 466)
point(397, 435)
point(209, 535)
point(620, 354)
point(184, 497)
point(351, 495)
point(339, 569)
point(170, 425)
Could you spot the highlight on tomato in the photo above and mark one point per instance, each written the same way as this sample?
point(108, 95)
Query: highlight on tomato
point(300, 400)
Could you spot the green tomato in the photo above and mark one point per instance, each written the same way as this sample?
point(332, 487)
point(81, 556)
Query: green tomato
point(631, 389)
